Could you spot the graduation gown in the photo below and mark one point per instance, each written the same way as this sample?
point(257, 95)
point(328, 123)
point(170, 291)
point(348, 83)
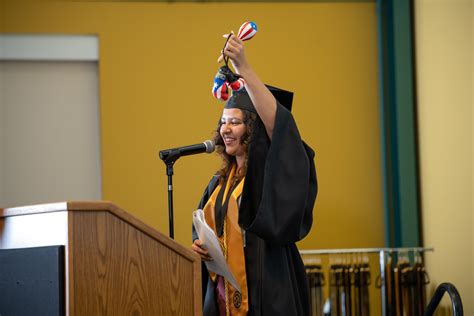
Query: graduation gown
point(275, 211)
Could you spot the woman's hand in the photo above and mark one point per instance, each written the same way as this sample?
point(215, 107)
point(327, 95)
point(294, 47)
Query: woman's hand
point(197, 247)
point(236, 52)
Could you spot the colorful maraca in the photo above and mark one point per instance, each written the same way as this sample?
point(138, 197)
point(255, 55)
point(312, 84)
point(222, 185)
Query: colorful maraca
point(247, 31)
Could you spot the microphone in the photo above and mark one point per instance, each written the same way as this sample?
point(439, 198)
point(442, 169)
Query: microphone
point(171, 155)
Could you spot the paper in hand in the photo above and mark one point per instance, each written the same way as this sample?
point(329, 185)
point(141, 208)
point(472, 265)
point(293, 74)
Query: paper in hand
point(210, 242)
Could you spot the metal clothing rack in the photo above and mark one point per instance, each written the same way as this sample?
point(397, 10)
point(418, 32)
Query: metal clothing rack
point(382, 254)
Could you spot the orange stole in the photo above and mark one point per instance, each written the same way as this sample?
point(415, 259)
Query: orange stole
point(233, 246)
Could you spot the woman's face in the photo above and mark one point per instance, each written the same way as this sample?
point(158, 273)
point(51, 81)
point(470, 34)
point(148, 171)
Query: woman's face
point(232, 130)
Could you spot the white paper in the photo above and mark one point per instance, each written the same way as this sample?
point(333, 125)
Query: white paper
point(210, 242)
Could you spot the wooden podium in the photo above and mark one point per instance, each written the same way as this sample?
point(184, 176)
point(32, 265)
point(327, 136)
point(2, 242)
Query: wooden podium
point(114, 263)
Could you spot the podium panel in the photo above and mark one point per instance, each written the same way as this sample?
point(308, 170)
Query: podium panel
point(32, 281)
point(113, 263)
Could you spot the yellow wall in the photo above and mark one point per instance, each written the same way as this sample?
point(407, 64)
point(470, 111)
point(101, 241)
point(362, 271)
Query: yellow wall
point(444, 68)
point(157, 62)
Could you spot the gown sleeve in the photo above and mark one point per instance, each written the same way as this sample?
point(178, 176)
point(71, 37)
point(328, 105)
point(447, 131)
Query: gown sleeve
point(280, 185)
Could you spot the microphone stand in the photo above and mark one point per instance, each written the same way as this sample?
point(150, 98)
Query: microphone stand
point(169, 161)
point(169, 157)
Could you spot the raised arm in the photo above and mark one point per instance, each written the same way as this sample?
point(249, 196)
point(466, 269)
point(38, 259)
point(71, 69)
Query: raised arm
point(262, 98)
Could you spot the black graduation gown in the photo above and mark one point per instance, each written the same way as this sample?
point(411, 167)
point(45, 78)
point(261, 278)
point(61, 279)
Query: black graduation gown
point(275, 211)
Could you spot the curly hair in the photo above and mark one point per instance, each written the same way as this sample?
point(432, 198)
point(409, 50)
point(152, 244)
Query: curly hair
point(227, 160)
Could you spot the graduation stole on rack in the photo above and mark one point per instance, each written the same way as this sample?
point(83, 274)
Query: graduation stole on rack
point(224, 198)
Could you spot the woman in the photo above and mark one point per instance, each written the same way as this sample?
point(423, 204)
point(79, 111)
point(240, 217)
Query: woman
point(260, 203)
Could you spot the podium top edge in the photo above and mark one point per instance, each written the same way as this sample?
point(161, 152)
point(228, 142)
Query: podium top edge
point(33, 209)
point(58, 207)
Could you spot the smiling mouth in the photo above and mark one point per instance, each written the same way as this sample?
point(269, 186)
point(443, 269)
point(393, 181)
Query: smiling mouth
point(228, 140)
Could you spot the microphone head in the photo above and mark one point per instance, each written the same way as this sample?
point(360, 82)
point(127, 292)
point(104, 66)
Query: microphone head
point(210, 146)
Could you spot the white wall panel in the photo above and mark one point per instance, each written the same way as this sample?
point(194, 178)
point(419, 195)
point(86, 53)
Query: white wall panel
point(2, 150)
point(51, 148)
